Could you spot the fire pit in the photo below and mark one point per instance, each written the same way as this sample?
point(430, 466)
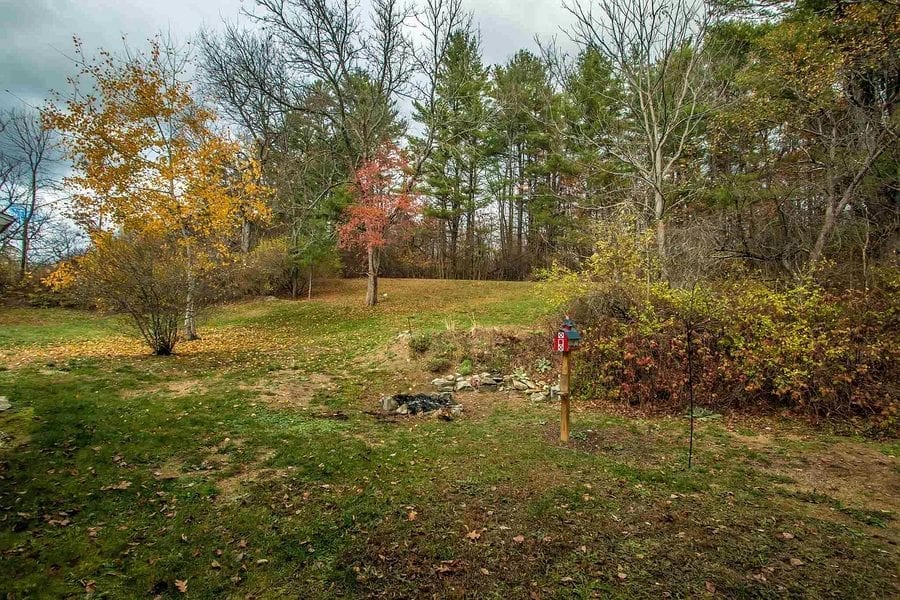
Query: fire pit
point(413, 404)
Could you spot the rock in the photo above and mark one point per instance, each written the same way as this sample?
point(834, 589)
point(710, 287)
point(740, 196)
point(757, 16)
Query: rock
point(485, 377)
point(464, 386)
point(520, 385)
point(4, 403)
point(554, 391)
point(538, 397)
point(456, 410)
point(402, 409)
point(389, 403)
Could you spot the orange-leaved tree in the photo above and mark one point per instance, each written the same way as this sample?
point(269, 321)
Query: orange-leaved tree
point(384, 204)
point(149, 163)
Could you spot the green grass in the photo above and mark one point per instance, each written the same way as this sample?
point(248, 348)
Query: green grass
point(239, 480)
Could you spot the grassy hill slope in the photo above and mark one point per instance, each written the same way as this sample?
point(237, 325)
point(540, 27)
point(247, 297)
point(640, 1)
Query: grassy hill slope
point(251, 465)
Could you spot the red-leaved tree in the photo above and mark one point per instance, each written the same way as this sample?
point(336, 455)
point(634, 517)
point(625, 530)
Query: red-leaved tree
point(384, 205)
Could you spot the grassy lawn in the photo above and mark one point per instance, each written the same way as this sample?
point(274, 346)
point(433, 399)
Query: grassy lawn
point(251, 465)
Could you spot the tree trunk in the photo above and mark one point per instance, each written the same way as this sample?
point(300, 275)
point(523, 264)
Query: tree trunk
point(23, 264)
point(824, 234)
point(309, 290)
point(834, 208)
point(372, 286)
point(190, 310)
point(245, 235)
point(26, 227)
point(659, 206)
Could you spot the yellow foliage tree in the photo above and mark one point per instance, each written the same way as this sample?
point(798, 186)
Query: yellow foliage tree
point(149, 161)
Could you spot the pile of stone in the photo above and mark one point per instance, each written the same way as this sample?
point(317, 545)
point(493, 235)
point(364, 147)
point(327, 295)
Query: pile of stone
point(489, 382)
point(413, 404)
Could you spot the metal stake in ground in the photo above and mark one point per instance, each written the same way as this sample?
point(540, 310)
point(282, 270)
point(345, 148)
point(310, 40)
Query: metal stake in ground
point(566, 339)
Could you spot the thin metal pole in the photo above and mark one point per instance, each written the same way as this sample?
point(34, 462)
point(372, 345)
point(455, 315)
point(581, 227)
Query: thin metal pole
point(690, 357)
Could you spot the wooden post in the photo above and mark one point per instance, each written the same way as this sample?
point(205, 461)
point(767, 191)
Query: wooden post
point(564, 375)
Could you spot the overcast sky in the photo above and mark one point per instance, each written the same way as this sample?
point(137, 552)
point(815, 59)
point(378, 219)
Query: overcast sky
point(36, 35)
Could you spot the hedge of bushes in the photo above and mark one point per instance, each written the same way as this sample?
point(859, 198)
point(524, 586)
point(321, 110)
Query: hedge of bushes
point(803, 348)
point(757, 345)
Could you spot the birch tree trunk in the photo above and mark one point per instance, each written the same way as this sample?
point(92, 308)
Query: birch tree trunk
point(190, 310)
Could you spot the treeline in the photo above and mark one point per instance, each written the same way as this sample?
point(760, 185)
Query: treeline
point(755, 134)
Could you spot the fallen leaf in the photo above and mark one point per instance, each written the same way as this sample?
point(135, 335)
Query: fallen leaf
point(215, 564)
point(621, 576)
point(484, 571)
point(519, 539)
point(787, 536)
point(181, 585)
point(446, 566)
point(122, 485)
point(474, 535)
point(89, 586)
point(412, 515)
point(262, 561)
point(710, 587)
point(796, 562)
point(567, 580)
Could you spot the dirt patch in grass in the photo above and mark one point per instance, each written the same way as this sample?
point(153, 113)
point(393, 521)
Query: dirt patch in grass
point(291, 389)
point(635, 445)
point(177, 389)
point(233, 487)
point(854, 474)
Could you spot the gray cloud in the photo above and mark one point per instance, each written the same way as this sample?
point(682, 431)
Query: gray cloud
point(37, 35)
point(510, 25)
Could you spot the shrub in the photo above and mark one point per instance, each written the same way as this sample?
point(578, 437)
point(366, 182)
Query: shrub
point(265, 270)
point(438, 364)
point(143, 276)
point(465, 368)
point(420, 343)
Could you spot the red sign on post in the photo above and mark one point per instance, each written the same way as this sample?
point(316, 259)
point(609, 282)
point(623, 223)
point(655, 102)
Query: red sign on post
point(561, 342)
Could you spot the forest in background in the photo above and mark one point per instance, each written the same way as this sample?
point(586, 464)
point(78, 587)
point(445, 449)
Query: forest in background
point(695, 182)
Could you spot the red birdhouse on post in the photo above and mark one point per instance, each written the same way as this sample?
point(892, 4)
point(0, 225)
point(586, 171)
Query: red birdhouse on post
point(566, 339)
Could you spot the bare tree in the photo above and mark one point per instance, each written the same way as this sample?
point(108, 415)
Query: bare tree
point(852, 139)
point(239, 70)
point(656, 51)
point(325, 47)
point(30, 154)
